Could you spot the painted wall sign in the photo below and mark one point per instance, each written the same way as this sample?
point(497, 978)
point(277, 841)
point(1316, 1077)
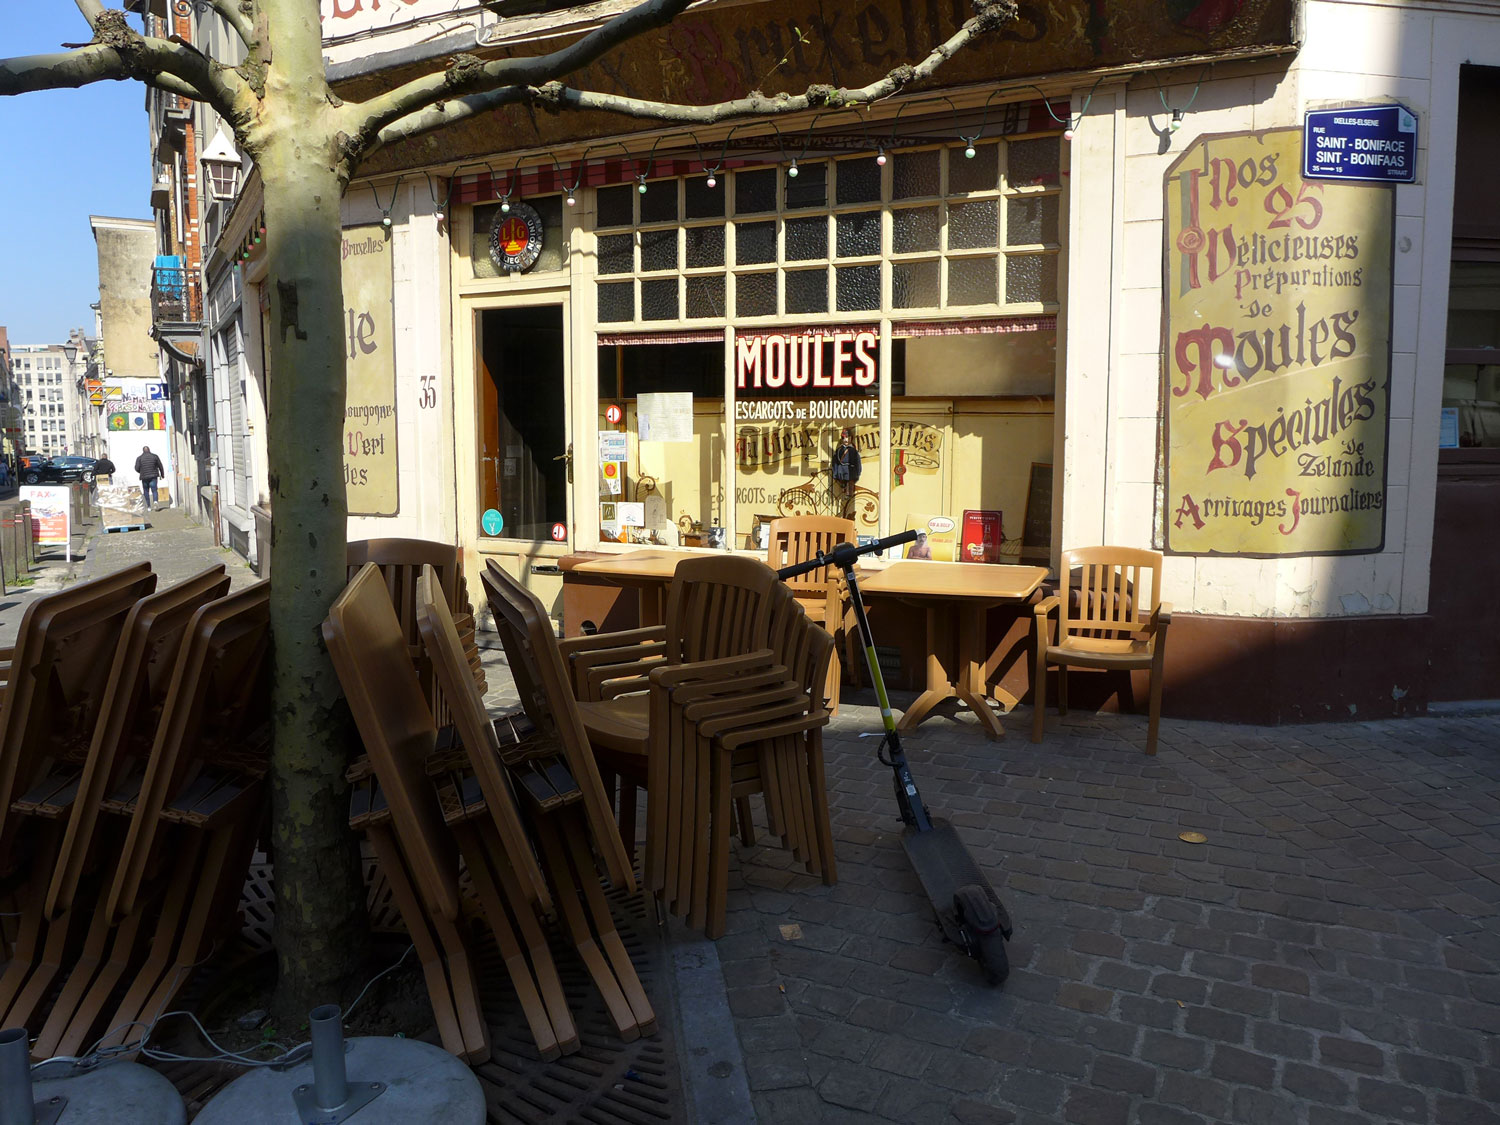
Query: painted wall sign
point(370, 402)
point(516, 238)
point(811, 363)
point(1276, 325)
point(1373, 142)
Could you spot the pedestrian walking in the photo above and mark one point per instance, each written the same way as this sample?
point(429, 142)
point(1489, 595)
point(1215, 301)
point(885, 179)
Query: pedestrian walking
point(149, 468)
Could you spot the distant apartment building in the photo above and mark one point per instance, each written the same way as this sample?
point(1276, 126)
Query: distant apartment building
point(48, 395)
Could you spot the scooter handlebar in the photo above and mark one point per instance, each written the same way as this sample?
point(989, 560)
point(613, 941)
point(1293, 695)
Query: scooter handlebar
point(845, 555)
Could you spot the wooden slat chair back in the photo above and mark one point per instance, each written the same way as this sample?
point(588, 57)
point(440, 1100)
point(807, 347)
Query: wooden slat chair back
point(568, 835)
point(401, 562)
point(198, 807)
point(795, 539)
point(718, 606)
point(411, 840)
point(1113, 618)
point(60, 666)
point(531, 644)
point(134, 699)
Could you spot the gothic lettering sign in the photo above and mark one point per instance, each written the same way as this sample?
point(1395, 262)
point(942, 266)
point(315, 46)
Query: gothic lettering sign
point(1276, 357)
point(370, 349)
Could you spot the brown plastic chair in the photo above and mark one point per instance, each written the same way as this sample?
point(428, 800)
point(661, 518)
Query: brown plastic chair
point(61, 662)
point(401, 562)
point(1110, 627)
point(134, 697)
point(197, 808)
point(567, 837)
point(821, 592)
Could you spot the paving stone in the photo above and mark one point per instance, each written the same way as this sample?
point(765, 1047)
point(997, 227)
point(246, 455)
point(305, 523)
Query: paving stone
point(1425, 1071)
point(1387, 1099)
point(1114, 1073)
point(1234, 1065)
point(1088, 1106)
point(1350, 1054)
point(1316, 1083)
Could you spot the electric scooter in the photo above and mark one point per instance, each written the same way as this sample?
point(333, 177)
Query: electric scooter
point(968, 910)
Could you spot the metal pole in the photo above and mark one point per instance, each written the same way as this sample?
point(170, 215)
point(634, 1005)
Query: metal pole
point(16, 1106)
point(330, 1080)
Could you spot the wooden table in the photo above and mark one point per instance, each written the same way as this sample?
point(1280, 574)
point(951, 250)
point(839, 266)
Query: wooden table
point(949, 591)
point(649, 571)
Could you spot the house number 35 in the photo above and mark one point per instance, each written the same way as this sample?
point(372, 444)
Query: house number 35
point(428, 397)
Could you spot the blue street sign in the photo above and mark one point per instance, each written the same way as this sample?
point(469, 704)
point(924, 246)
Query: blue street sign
point(492, 522)
point(1373, 142)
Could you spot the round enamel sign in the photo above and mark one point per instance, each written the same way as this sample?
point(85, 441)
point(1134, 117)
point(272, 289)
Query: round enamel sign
point(559, 532)
point(613, 414)
point(516, 238)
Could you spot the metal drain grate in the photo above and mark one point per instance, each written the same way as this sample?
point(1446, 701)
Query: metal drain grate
point(606, 1082)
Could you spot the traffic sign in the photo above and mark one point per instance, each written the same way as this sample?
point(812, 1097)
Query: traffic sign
point(559, 532)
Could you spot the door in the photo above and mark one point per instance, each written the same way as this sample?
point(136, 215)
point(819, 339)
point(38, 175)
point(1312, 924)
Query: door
point(525, 457)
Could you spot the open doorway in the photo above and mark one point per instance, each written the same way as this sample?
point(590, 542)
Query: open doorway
point(525, 455)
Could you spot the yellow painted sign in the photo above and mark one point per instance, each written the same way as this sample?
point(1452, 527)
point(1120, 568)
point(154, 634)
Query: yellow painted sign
point(370, 350)
point(1276, 357)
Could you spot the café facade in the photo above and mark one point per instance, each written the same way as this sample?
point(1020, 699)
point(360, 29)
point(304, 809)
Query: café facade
point(1099, 282)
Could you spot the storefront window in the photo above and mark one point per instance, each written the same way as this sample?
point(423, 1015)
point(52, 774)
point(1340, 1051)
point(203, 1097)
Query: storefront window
point(661, 443)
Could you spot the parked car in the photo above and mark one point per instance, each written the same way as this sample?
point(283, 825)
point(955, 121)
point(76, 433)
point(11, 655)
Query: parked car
point(58, 470)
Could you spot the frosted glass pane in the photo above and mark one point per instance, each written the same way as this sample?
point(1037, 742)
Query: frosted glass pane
point(705, 246)
point(971, 281)
point(704, 202)
point(755, 191)
point(616, 253)
point(617, 301)
point(1032, 162)
point(1030, 277)
point(809, 187)
point(807, 291)
point(914, 229)
point(982, 173)
point(806, 239)
point(659, 249)
point(659, 204)
point(859, 288)
point(659, 299)
point(705, 296)
point(1030, 218)
point(914, 285)
point(915, 174)
point(858, 234)
point(754, 243)
point(972, 226)
point(755, 294)
point(858, 181)
point(614, 206)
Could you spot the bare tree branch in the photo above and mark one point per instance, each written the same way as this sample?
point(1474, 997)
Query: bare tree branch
point(120, 52)
point(234, 17)
point(468, 75)
point(91, 10)
point(991, 14)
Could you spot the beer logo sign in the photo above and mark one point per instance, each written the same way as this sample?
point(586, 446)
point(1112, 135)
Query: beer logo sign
point(516, 238)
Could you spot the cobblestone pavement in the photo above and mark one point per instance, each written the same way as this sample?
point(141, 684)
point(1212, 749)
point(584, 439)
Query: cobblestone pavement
point(1329, 956)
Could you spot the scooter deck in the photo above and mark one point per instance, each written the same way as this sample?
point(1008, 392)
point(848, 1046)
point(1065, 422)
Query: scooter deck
point(943, 865)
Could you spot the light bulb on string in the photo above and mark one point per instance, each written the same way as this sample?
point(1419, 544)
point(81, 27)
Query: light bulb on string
point(969, 151)
point(1176, 121)
point(440, 215)
point(505, 205)
point(571, 201)
point(641, 183)
point(385, 221)
point(792, 171)
point(1068, 133)
point(711, 182)
point(880, 156)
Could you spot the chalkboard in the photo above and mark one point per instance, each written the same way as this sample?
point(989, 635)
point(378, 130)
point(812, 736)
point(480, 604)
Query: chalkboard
point(1036, 532)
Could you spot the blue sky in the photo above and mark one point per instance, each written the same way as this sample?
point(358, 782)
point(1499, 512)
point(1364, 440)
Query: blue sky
point(64, 155)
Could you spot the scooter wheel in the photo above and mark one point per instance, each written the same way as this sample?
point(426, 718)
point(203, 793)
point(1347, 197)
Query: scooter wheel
point(990, 950)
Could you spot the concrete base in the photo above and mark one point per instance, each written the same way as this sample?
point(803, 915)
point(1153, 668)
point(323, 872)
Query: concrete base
point(424, 1086)
point(119, 1093)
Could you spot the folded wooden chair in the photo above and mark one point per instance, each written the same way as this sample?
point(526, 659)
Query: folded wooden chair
point(134, 695)
point(196, 809)
point(61, 662)
point(557, 786)
point(405, 823)
point(401, 562)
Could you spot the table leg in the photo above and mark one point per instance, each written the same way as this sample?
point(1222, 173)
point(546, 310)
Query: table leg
point(939, 681)
point(651, 607)
point(971, 671)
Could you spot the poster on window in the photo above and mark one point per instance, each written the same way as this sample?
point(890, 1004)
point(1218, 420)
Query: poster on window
point(369, 348)
point(1276, 357)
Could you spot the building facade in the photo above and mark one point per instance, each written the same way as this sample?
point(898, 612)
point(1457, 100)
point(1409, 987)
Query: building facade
point(1114, 296)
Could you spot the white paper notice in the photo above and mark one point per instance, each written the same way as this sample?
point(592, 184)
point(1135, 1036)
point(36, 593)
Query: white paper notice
point(614, 446)
point(631, 515)
point(665, 416)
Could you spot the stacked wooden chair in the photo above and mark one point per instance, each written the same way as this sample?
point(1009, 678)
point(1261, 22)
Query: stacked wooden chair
point(821, 592)
point(135, 739)
point(720, 703)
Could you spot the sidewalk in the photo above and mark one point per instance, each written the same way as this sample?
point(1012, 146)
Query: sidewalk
point(1330, 955)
